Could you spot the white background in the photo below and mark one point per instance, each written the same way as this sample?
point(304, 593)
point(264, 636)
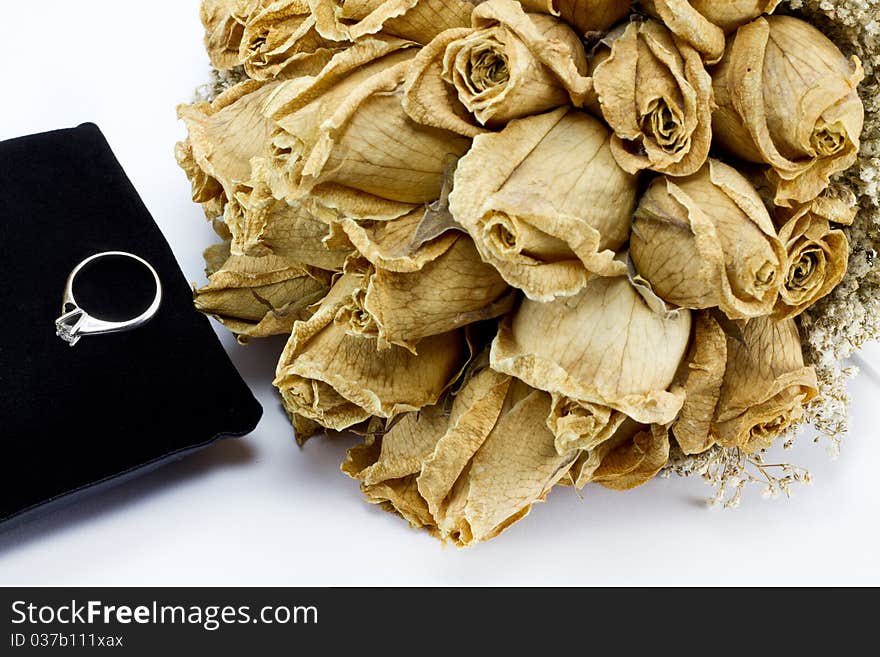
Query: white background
point(261, 511)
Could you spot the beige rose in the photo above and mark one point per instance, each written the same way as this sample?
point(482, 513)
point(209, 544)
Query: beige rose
point(262, 225)
point(280, 40)
point(746, 383)
point(788, 98)
point(259, 297)
point(604, 348)
point(654, 92)
point(329, 129)
point(414, 20)
point(452, 290)
point(508, 65)
point(224, 21)
point(223, 137)
point(818, 256)
point(703, 23)
point(468, 475)
point(545, 202)
point(707, 241)
point(765, 385)
point(331, 372)
point(584, 16)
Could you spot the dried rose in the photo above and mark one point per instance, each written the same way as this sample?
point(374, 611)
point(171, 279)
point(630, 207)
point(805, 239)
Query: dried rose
point(425, 290)
point(224, 21)
point(262, 225)
point(414, 20)
point(585, 16)
point(223, 137)
point(707, 241)
point(344, 141)
point(332, 373)
point(471, 475)
point(818, 257)
point(703, 23)
point(765, 385)
point(603, 347)
point(508, 65)
point(788, 97)
point(656, 95)
point(259, 297)
point(545, 202)
point(280, 40)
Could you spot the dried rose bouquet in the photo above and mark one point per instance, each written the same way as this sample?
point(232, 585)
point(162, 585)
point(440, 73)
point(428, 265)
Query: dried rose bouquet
point(521, 244)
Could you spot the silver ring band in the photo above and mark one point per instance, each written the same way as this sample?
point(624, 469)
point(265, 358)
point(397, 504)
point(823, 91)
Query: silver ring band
point(76, 322)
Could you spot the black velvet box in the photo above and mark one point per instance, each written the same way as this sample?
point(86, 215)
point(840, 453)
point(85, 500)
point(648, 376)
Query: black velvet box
point(75, 419)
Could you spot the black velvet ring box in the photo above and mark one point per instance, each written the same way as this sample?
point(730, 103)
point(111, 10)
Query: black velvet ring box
point(73, 419)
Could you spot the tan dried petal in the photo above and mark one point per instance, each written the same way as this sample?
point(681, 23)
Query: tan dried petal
point(345, 140)
point(329, 372)
point(656, 95)
point(788, 98)
point(225, 134)
point(280, 40)
point(707, 241)
point(584, 16)
point(224, 21)
point(701, 378)
point(765, 385)
point(406, 447)
point(545, 202)
point(415, 20)
point(818, 257)
point(206, 191)
point(603, 346)
point(259, 297)
point(634, 462)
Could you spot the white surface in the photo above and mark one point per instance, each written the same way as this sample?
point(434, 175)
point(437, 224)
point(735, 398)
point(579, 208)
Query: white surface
point(261, 511)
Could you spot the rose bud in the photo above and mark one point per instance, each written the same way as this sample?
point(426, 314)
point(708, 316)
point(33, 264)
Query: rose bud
point(604, 347)
point(818, 256)
point(707, 241)
point(792, 104)
point(259, 297)
point(333, 373)
point(280, 40)
point(584, 16)
point(414, 20)
point(703, 23)
point(261, 225)
point(765, 385)
point(545, 202)
point(508, 65)
point(654, 92)
point(344, 141)
point(470, 474)
point(223, 137)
